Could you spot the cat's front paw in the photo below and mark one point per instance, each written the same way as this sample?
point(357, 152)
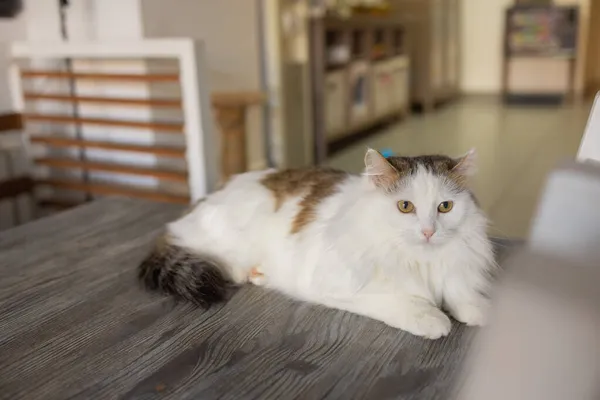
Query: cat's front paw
point(257, 277)
point(472, 314)
point(429, 323)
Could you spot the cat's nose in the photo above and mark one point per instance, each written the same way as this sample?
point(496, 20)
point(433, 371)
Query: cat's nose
point(428, 233)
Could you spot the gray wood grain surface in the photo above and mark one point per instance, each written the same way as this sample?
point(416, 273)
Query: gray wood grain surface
point(75, 324)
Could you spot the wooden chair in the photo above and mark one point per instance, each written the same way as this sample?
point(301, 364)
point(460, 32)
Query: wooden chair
point(13, 186)
point(131, 119)
point(230, 111)
point(121, 118)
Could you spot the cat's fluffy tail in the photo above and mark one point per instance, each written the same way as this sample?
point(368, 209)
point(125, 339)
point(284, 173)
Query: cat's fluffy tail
point(178, 272)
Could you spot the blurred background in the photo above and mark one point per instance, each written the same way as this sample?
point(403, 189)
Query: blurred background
point(293, 83)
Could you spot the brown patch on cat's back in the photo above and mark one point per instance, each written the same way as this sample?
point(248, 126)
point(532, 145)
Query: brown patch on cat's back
point(286, 183)
point(314, 184)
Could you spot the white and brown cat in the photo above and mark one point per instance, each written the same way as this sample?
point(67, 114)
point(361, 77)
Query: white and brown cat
point(398, 243)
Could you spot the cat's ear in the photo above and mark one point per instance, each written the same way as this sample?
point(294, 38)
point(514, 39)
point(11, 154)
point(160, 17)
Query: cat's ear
point(467, 164)
point(380, 172)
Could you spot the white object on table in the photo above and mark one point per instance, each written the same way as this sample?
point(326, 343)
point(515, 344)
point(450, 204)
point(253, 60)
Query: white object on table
point(589, 149)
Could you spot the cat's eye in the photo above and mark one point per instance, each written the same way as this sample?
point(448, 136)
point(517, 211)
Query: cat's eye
point(445, 206)
point(406, 206)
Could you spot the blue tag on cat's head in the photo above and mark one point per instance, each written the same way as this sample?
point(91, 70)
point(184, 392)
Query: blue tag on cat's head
point(387, 153)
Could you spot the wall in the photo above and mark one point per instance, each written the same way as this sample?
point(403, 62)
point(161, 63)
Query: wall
point(87, 20)
point(229, 29)
point(482, 38)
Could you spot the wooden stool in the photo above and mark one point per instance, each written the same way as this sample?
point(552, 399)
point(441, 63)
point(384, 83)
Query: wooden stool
point(230, 111)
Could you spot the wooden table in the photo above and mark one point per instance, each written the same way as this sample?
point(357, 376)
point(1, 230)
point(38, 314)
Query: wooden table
point(74, 323)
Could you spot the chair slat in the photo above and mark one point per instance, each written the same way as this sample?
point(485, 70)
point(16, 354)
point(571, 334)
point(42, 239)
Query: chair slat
point(108, 190)
point(27, 74)
point(116, 101)
point(175, 176)
point(65, 143)
point(63, 119)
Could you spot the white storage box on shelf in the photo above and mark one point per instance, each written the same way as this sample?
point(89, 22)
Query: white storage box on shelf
point(390, 86)
point(336, 101)
point(382, 89)
point(359, 96)
point(400, 79)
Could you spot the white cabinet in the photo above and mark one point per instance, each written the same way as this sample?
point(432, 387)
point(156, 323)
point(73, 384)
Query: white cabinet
point(336, 101)
point(400, 83)
point(539, 75)
point(382, 89)
point(391, 89)
point(435, 48)
point(359, 93)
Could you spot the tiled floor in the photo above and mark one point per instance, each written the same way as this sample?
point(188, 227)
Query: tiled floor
point(516, 146)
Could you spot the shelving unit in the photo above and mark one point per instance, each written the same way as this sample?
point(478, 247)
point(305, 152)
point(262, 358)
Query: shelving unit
point(434, 49)
point(359, 76)
point(540, 54)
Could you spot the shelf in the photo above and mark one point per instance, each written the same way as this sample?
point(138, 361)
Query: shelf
point(341, 90)
point(359, 44)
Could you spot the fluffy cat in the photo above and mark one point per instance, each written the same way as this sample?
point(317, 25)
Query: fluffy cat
point(398, 243)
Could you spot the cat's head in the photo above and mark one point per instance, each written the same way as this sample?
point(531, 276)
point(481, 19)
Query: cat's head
point(427, 196)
